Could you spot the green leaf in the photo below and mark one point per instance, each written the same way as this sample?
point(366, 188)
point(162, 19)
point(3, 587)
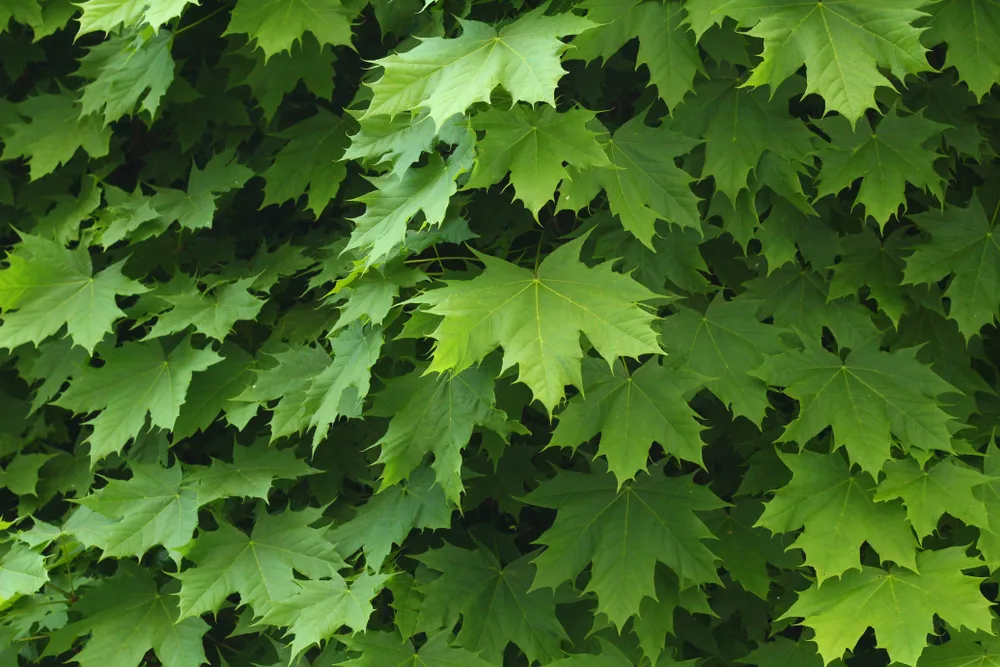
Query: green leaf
point(127, 616)
point(195, 208)
point(53, 134)
point(210, 314)
point(388, 517)
point(388, 649)
point(897, 151)
point(538, 318)
point(125, 71)
point(928, 494)
point(533, 145)
point(276, 25)
point(20, 476)
point(213, 390)
point(842, 45)
point(447, 76)
point(150, 509)
point(22, 572)
point(493, 602)
point(251, 474)
point(838, 512)
point(395, 142)
point(106, 15)
point(136, 379)
point(260, 567)
point(725, 344)
point(308, 163)
point(866, 397)
point(876, 264)
point(961, 651)
point(624, 531)
point(632, 411)
point(962, 244)
point(434, 415)
point(320, 608)
point(46, 287)
point(972, 30)
point(899, 605)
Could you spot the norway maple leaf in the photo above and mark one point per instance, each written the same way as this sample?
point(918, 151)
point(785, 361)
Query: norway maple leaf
point(106, 15)
point(434, 414)
point(971, 29)
point(53, 133)
point(899, 605)
point(738, 125)
point(632, 411)
point(666, 43)
point(212, 314)
point(251, 474)
point(493, 602)
point(212, 392)
point(875, 263)
point(260, 567)
point(149, 509)
point(897, 151)
point(533, 144)
point(136, 379)
point(643, 183)
point(22, 572)
point(866, 398)
point(124, 71)
point(447, 76)
point(397, 142)
point(838, 512)
point(963, 244)
point(195, 208)
point(388, 517)
point(623, 532)
point(46, 287)
point(276, 25)
point(928, 494)
point(537, 318)
point(725, 344)
point(126, 616)
point(309, 163)
point(842, 44)
point(388, 649)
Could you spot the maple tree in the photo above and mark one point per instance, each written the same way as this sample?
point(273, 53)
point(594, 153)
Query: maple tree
point(579, 333)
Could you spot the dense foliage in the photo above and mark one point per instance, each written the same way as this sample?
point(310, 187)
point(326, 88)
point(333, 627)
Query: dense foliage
point(465, 333)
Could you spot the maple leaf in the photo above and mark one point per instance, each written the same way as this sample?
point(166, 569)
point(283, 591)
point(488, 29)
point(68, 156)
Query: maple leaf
point(746, 549)
point(276, 25)
point(643, 183)
point(632, 411)
point(963, 244)
point(842, 44)
point(371, 297)
point(838, 512)
point(46, 286)
point(270, 79)
point(250, 475)
point(260, 567)
point(308, 163)
point(899, 605)
point(149, 509)
point(962, 650)
point(897, 151)
point(22, 572)
point(533, 144)
point(137, 379)
point(396, 141)
point(20, 475)
point(866, 398)
point(21, 11)
point(213, 390)
point(436, 415)
point(447, 76)
point(989, 535)
point(725, 344)
point(106, 15)
point(388, 649)
point(388, 517)
point(195, 208)
point(623, 532)
point(657, 614)
point(493, 602)
point(54, 133)
point(381, 230)
point(539, 319)
point(126, 616)
point(210, 314)
point(124, 71)
point(738, 125)
point(874, 263)
point(928, 494)
point(972, 30)
point(321, 608)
